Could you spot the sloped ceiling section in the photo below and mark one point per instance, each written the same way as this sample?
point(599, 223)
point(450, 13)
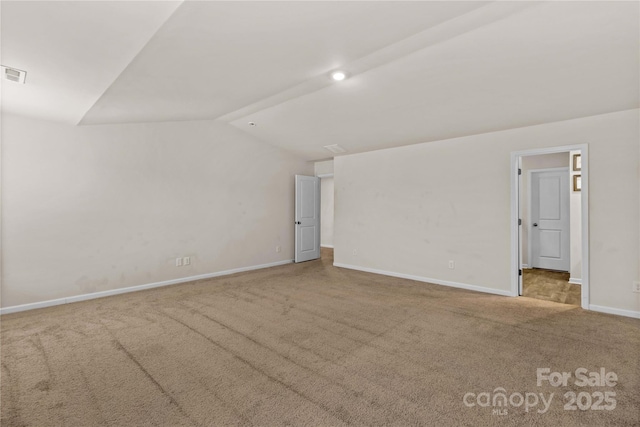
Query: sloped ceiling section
point(544, 63)
point(418, 71)
point(72, 51)
point(213, 58)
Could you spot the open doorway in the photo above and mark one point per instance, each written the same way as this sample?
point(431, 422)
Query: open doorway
point(549, 234)
point(324, 171)
point(326, 217)
point(545, 209)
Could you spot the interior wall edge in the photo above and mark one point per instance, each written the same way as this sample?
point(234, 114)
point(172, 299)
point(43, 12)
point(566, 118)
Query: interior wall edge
point(615, 311)
point(118, 291)
point(458, 285)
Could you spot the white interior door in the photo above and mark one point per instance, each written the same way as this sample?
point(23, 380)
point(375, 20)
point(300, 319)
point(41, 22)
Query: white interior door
point(549, 221)
point(307, 218)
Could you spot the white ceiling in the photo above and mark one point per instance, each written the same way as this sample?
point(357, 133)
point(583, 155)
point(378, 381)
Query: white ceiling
point(72, 51)
point(419, 71)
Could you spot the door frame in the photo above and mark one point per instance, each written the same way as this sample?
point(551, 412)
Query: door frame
point(530, 173)
point(516, 253)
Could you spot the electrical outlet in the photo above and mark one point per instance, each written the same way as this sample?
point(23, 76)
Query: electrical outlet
point(636, 287)
point(452, 264)
point(186, 260)
point(178, 262)
point(278, 249)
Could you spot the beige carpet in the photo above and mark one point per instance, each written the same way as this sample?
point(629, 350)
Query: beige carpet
point(310, 344)
point(550, 285)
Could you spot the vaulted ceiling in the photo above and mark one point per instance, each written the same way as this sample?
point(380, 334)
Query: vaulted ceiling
point(417, 71)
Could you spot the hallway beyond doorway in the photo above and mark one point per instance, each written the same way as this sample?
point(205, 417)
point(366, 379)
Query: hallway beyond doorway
point(550, 285)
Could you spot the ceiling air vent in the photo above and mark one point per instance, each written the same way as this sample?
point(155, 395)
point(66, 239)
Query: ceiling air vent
point(335, 148)
point(13, 74)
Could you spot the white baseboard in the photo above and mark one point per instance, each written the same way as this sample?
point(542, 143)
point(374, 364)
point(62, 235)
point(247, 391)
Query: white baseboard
point(616, 311)
point(525, 266)
point(327, 246)
point(427, 280)
point(575, 281)
point(84, 297)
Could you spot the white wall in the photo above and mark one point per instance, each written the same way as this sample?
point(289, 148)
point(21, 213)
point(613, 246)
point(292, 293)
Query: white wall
point(326, 215)
point(412, 209)
point(323, 168)
point(95, 208)
point(529, 163)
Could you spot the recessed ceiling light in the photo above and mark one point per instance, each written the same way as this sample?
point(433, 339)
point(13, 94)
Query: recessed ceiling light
point(13, 74)
point(338, 75)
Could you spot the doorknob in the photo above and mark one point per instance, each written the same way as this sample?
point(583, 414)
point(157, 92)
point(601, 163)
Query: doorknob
point(535, 224)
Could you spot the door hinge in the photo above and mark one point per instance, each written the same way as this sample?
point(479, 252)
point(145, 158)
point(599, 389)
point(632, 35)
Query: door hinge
point(519, 221)
point(519, 272)
point(519, 171)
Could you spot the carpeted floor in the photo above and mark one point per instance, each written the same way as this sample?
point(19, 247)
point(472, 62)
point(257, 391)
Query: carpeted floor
point(311, 344)
point(550, 285)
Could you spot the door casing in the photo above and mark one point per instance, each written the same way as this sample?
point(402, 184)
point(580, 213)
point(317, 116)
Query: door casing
point(516, 253)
